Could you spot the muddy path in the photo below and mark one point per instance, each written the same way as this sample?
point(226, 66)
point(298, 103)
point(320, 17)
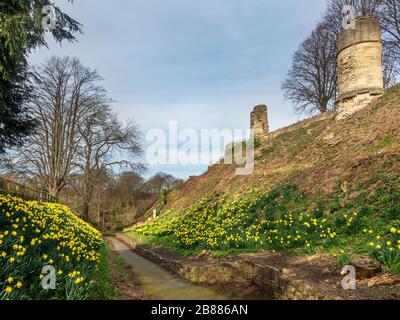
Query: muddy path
point(266, 275)
point(160, 284)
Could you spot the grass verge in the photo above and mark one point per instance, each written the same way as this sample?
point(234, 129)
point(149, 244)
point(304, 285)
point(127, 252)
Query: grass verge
point(114, 279)
point(104, 288)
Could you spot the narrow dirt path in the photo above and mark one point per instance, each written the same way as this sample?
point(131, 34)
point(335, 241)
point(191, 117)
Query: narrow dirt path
point(158, 283)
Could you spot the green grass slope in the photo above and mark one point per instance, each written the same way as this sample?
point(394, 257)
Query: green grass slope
point(324, 186)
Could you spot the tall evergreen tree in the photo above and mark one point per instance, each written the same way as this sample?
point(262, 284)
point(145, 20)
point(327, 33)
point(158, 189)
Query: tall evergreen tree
point(21, 30)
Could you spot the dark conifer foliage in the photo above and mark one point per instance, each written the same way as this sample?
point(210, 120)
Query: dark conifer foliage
point(21, 31)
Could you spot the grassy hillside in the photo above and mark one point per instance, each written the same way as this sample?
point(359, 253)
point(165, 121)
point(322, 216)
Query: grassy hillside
point(324, 186)
point(34, 235)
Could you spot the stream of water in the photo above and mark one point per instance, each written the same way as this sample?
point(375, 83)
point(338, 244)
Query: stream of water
point(160, 284)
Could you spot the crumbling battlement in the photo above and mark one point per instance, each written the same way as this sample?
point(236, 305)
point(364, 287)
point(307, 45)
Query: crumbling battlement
point(259, 121)
point(360, 78)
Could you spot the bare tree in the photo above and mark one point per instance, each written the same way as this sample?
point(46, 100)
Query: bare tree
point(63, 92)
point(128, 186)
point(389, 17)
point(311, 84)
point(335, 14)
point(362, 8)
point(390, 64)
point(159, 182)
point(390, 20)
point(105, 143)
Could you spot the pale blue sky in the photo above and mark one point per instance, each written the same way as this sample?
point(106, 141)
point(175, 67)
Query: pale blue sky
point(204, 64)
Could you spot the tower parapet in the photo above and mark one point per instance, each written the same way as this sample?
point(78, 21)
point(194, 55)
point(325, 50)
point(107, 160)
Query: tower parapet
point(259, 122)
point(360, 77)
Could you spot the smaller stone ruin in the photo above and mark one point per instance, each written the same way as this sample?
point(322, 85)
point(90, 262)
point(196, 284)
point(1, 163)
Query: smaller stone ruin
point(259, 122)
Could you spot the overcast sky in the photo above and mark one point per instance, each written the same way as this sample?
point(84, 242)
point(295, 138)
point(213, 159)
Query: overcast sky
point(202, 63)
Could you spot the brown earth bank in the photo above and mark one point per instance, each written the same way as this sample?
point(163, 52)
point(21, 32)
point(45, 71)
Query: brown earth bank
point(318, 155)
point(275, 275)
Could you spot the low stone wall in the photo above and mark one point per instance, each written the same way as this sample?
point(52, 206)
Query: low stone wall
point(269, 280)
point(272, 135)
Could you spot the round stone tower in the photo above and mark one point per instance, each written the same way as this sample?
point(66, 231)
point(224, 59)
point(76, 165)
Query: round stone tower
point(360, 78)
point(259, 122)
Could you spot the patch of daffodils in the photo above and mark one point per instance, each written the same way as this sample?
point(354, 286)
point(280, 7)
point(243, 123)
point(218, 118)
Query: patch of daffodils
point(35, 235)
point(248, 222)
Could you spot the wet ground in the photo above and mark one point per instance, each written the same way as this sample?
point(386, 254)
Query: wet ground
point(160, 284)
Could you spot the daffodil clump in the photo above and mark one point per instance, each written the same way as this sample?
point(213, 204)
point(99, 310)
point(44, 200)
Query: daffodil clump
point(386, 248)
point(240, 223)
point(39, 240)
point(260, 220)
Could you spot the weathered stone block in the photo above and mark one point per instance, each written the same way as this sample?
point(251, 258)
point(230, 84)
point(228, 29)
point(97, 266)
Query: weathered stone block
point(366, 267)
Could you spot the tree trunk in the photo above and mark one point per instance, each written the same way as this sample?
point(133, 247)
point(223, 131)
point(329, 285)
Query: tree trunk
point(86, 209)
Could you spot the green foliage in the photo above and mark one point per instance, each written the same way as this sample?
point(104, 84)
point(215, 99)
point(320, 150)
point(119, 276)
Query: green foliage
point(267, 151)
point(103, 288)
point(34, 235)
point(385, 142)
point(344, 258)
point(388, 197)
point(259, 220)
point(20, 32)
point(388, 256)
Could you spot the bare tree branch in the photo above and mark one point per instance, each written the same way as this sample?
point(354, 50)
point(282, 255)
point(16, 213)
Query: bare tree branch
point(311, 84)
point(63, 91)
point(106, 143)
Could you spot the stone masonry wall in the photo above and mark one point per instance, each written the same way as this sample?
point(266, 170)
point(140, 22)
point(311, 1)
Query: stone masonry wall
point(360, 77)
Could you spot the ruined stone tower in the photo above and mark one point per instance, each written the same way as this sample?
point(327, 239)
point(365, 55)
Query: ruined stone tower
point(360, 76)
point(259, 122)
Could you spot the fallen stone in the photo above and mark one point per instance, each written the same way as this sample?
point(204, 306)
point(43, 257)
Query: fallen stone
point(384, 280)
point(286, 271)
point(366, 267)
point(204, 253)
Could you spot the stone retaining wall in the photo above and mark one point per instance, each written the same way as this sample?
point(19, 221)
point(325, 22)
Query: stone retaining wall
point(269, 280)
